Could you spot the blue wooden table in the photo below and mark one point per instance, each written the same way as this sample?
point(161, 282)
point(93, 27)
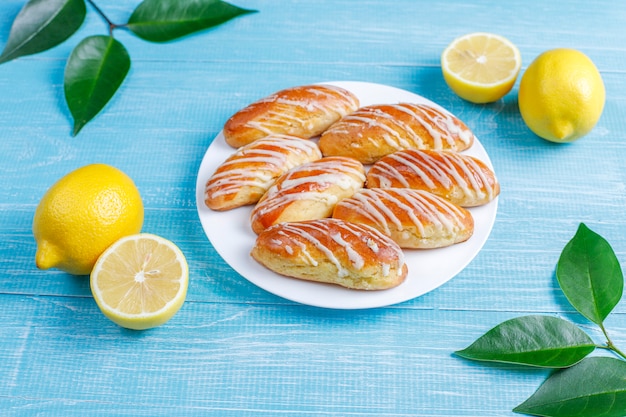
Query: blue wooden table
point(235, 349)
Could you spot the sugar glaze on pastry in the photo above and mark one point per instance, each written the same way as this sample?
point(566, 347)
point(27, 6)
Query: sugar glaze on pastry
point(372, 132)
point(462, 179)
point(247, 174)
point(332, 251)
point(414, 219)
point(304, 111)
point(308, 192)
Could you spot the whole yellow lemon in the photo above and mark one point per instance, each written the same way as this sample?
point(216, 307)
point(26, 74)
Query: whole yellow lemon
point(82, 214)
point(561, 95)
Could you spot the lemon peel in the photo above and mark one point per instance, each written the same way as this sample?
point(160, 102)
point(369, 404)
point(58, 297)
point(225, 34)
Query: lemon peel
point(561, 95)
point(82, 214)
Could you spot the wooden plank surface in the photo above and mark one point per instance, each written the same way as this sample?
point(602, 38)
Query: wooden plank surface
point(234, 349)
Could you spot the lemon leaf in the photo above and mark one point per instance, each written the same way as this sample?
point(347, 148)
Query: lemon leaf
point(590, 275)
point(41, 25)
point(95, 70)
point(166, 20)
point(596, 387)
point(542, 341)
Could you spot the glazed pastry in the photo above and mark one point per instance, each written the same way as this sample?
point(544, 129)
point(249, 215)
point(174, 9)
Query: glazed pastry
point(414, 219)
point(308, 192)
point(247, 174)
point(462, 179)
point(332, 251)
point(372, 132)
point(304, 111)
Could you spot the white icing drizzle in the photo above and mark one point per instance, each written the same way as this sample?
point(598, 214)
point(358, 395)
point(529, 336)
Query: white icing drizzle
point(303, 234)
point(371, 243)
point(443, 129)
point(420, 207)
point(436, 169)
point(310, 182)
point(301, 245)
point(356, 260)
point(446, 128)
point(259, 164)
point(346, 95)
point(320, 102)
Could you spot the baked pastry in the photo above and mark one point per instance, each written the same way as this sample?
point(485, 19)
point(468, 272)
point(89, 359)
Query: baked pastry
point(247, 174)
point(372, 132)
point(308, 192)
point(304, 111)
point(332, 251)
point(462, 179)
point(414, 219)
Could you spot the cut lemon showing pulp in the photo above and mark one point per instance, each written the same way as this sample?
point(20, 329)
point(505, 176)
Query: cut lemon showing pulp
point(140, 281)
point(481, 67)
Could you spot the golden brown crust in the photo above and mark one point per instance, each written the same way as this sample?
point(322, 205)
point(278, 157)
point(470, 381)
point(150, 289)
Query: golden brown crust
point(308, 192)
point(247, 174)
point(304, 111)
point(332, 251)
point(372, 132)
point(462, 179)
point(414, 219)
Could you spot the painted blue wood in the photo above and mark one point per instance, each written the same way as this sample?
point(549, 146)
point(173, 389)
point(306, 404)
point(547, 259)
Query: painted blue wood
point(234, 349)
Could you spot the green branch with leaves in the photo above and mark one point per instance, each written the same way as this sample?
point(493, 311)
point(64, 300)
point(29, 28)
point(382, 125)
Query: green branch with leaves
point(590, 276)
point(98, 65)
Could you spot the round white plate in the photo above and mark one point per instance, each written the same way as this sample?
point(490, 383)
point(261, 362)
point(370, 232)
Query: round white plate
point(232, 237)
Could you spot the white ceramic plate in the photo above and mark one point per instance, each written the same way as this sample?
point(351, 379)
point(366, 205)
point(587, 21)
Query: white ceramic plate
point(232, 237)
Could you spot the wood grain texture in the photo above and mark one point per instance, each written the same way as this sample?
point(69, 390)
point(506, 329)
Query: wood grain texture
point(234, 349)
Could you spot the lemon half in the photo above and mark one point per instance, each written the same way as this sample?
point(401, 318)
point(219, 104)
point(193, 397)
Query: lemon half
point(481, 67)
point(140, 281)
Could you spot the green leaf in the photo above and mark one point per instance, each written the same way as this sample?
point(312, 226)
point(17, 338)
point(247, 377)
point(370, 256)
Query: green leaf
point(95, 70)
point(42, 24)
point(165, 20)
point(590, 275)
point(596, 387)
point(543, 341)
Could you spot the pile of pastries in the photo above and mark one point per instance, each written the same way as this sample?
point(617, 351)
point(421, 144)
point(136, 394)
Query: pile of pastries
point(339, 190)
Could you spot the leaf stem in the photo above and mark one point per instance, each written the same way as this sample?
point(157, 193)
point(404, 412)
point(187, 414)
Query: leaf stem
point(610, 345)
point(104, 16)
